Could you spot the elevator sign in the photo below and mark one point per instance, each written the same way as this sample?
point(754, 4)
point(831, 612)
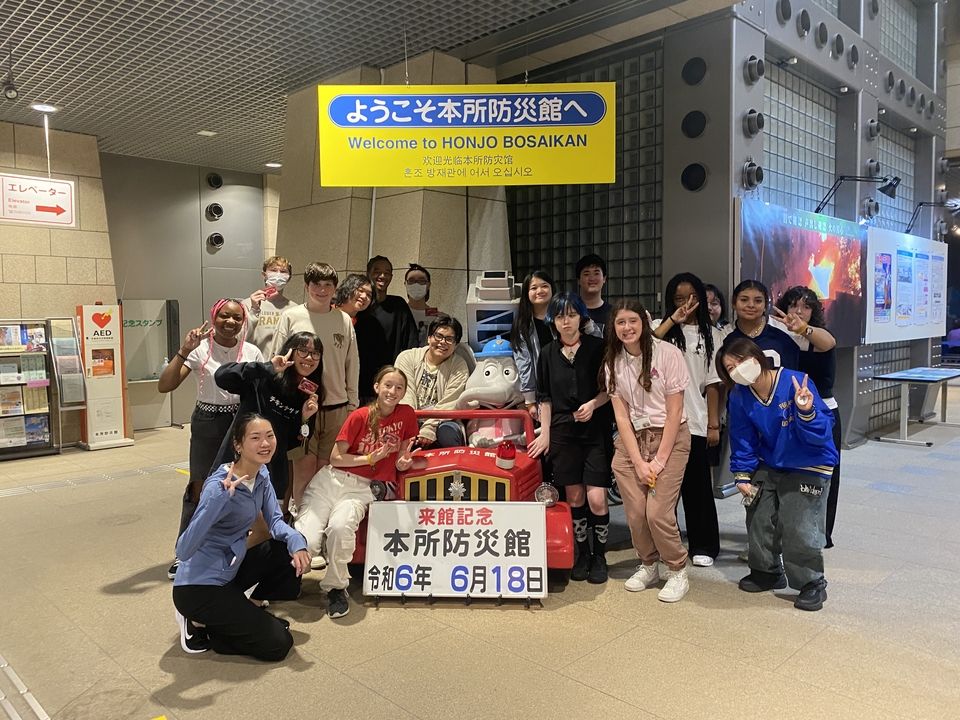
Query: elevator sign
point(37, 200)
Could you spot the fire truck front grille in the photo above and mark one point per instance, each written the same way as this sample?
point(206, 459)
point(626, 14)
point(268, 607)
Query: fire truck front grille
point(476, 488)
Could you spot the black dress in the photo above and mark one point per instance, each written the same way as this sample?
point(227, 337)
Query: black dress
point(580, 452)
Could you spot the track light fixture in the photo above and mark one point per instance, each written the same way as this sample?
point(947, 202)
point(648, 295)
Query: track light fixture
point(888, 186)
point(952, 205)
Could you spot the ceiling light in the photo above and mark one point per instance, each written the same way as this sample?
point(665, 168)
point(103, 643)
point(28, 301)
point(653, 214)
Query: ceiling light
point(792, 60)
point(273, 165)
point(881, 111)
point(44, 107)
point(207, 133)
point(844, 89)
point(911, 129)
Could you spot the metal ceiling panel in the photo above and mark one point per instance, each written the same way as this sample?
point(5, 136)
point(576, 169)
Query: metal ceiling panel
point(145, 77)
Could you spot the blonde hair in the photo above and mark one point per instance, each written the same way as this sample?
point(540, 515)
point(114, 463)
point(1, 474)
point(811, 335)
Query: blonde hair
point(373, 416)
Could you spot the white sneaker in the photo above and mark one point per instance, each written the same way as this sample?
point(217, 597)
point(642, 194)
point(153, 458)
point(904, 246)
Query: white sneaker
point(318, 562)
point(644, 577)
point(702, 560)
point(677, 586)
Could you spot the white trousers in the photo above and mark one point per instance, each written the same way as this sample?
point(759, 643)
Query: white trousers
point(333, 505)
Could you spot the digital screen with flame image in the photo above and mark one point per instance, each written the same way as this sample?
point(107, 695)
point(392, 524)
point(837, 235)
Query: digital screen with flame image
point(782, 248)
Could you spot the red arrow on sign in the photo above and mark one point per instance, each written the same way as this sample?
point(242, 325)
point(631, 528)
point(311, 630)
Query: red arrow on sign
point(47, 208)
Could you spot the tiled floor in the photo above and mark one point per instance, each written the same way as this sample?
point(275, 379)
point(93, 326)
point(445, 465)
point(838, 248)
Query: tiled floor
point(86, 618)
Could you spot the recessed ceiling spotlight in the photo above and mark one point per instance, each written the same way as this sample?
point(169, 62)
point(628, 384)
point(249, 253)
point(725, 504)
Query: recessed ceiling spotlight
point(881, 111)
point(207, 133)
point(911, 129)
point(843, 89)
point(792, 60)
point(273, 165)
point(44, 107)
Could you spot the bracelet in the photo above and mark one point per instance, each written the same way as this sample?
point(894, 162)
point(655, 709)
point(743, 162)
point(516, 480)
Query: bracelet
point(657, 461)
point(370, 461)
point(181, 356)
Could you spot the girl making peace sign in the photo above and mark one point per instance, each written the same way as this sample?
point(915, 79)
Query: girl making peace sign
point(217, 567)
point(372, 446)
point(782, 458)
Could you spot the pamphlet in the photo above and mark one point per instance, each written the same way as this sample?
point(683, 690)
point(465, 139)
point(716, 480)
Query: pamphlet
point(11, 401)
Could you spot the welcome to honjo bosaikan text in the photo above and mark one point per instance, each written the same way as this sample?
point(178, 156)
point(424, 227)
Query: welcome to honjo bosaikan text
point(467, 135)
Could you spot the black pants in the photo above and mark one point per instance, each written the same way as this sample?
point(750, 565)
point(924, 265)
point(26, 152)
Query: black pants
point(207, 431)
point(235, 625)
point(699, 508)
point(834, 481)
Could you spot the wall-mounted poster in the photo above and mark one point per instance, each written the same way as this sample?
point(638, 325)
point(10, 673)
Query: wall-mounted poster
point(908, 275)
point(783, 247)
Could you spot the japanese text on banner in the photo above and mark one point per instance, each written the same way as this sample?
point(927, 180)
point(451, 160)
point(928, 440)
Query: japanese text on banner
point(467, 135)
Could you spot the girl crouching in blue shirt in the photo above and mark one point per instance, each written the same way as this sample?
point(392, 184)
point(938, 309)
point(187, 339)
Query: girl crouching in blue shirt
point(782, 456)
point(216, 568)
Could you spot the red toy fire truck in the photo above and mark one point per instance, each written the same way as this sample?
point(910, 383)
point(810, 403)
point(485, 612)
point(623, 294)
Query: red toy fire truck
point(497, 474)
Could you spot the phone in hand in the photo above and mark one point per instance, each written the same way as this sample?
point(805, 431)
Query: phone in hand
point(307, 386)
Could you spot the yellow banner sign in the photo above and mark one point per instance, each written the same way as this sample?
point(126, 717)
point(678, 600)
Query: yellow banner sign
point(432, 135)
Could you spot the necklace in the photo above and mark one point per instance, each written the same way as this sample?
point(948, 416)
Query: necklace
point(569, 350)
point(755, 333)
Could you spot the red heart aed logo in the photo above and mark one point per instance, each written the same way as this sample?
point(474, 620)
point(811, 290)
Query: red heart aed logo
point(101, 319)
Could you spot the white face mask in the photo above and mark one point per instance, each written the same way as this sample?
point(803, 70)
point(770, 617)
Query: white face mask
point(747, 372)
point(277, 279)
point(416, 291)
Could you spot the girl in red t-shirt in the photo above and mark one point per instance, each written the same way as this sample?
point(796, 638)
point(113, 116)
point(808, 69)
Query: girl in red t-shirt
point(373, 444)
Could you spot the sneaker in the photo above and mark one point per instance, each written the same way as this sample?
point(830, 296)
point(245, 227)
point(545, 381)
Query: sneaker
point(677, 586)
point(193, 640)
point(758, 581)
point(338, 604)
point(812, 595)
point(172, 570)
point(744, 556)
point(598, 570)
point(702, 560)
point(581, 568)
point(644, 577)
point(318, 563)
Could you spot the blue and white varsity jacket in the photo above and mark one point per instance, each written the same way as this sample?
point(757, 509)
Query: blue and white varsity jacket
point(775, 434)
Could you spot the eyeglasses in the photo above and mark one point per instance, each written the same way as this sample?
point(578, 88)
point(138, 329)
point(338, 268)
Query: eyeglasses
point(445, 339)
point(308, 354)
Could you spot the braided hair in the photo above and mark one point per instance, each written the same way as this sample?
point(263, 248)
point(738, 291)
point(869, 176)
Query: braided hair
point(241, 335)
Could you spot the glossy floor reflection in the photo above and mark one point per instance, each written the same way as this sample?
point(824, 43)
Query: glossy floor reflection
point(87, 622)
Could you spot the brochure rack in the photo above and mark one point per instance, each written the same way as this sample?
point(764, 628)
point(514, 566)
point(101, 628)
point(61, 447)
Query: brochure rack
point(41, 375)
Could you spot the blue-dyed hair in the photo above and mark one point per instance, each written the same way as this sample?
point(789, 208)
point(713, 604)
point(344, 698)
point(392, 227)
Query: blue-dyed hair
point(562, 303)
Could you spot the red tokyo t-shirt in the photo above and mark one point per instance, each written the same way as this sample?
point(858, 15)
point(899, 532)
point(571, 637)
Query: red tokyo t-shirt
point(402, 423)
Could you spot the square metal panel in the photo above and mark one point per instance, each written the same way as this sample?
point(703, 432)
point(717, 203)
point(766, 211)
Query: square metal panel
point(146, 76)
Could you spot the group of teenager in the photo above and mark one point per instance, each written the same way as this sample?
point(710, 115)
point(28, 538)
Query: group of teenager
point(305, 415)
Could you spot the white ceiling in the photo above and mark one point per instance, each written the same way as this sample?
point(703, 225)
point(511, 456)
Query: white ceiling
point(145, 76)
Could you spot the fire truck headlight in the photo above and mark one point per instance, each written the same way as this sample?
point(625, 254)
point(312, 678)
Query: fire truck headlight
point(546, 494)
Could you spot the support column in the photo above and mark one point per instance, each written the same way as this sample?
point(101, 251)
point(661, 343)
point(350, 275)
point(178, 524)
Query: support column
point(454, 232)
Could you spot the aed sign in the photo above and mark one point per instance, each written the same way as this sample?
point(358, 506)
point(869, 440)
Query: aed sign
point(42, 201)
point(476, 550)
point(436, 135)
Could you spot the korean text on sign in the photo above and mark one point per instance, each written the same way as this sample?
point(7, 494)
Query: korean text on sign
point(456, 550)
point(467, 135)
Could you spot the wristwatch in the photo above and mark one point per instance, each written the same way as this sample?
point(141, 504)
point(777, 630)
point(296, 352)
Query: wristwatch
point(809, 331)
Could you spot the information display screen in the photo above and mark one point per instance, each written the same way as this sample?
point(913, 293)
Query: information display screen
point(782, 247)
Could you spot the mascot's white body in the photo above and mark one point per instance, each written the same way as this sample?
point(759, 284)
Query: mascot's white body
point(494, 383)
